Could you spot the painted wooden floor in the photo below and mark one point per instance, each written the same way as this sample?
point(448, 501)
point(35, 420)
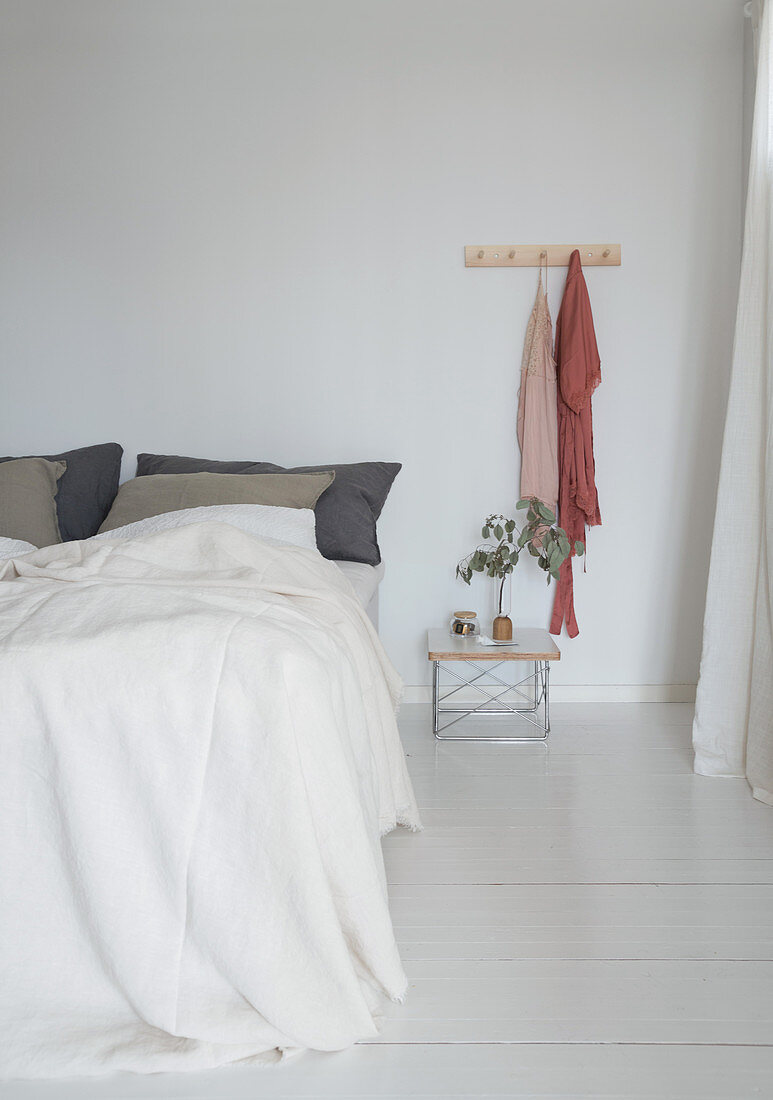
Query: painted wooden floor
point(584, 920)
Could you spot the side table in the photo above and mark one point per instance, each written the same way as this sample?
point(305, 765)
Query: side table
point(468, 664)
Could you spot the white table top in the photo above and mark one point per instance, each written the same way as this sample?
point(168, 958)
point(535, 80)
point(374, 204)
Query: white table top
point(528, 644)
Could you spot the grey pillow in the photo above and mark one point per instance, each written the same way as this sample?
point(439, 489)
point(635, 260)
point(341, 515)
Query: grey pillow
point(28, 500)
point(153, 496)
point(346, 514)
point(87, 488)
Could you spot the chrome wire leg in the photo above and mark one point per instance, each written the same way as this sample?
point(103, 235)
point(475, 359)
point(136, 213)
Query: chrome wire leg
point(530, 715)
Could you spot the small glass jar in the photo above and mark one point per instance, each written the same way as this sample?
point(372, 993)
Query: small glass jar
point(464, 624)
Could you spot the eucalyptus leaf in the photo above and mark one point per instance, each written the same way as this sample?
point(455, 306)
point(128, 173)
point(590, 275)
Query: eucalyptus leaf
point(524, 502)
point(579, 548)
point(498, 532)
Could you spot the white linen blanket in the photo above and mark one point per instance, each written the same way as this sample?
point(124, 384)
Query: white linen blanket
point(199, 755)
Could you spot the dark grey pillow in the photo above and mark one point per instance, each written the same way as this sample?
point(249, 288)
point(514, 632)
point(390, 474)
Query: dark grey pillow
point(87, 488)
point(346, 513)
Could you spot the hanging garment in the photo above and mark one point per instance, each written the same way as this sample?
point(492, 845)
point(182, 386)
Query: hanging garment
point(537, 419)
point(579, 372)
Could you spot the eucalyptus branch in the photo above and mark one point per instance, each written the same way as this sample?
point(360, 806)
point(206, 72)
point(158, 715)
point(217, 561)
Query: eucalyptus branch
point(541, 536)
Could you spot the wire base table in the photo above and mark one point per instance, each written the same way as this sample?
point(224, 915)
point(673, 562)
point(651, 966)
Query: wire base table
point(461, 666)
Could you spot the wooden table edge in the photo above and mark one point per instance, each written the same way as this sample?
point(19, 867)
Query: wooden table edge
point(494, 653)
point(498, 654)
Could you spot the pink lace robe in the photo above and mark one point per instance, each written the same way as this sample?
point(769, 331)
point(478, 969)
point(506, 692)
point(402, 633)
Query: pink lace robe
point(537, 414)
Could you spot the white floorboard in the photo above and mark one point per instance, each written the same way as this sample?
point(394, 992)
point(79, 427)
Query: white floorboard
point(586, 919)
point(583, 922)
point(459, 1072)
point(585, 1001)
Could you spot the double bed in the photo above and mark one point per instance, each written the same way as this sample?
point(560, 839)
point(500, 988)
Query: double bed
point(200, 756)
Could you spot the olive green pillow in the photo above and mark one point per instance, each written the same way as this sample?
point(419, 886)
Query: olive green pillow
point(159, 493)
point(28, 489)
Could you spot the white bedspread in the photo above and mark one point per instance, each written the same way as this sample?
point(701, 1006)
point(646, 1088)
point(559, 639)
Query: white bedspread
point(199, 755)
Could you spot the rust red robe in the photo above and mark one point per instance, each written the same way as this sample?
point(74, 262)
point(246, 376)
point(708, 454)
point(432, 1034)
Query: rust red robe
point(578, 368)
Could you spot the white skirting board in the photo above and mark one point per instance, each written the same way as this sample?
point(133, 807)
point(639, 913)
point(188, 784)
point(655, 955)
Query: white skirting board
point(580, 693)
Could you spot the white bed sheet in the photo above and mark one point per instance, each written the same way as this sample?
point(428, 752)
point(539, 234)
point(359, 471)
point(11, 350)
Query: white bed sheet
point(364, 579)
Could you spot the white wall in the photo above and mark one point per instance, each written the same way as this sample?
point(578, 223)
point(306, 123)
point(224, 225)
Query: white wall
point(235, 229)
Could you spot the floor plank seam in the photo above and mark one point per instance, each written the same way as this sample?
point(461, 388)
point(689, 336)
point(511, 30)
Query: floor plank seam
point(628, 882)
point(557, 1043)
point(588, 958)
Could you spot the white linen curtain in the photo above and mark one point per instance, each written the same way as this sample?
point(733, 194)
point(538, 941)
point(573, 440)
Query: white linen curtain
point(733, 728)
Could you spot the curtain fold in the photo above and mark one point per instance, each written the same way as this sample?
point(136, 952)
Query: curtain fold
point(733, 727)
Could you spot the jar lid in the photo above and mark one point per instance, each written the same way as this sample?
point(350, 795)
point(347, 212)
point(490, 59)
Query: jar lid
point(464, 614)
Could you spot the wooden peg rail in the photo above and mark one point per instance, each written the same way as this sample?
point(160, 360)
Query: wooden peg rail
point(531, 255)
